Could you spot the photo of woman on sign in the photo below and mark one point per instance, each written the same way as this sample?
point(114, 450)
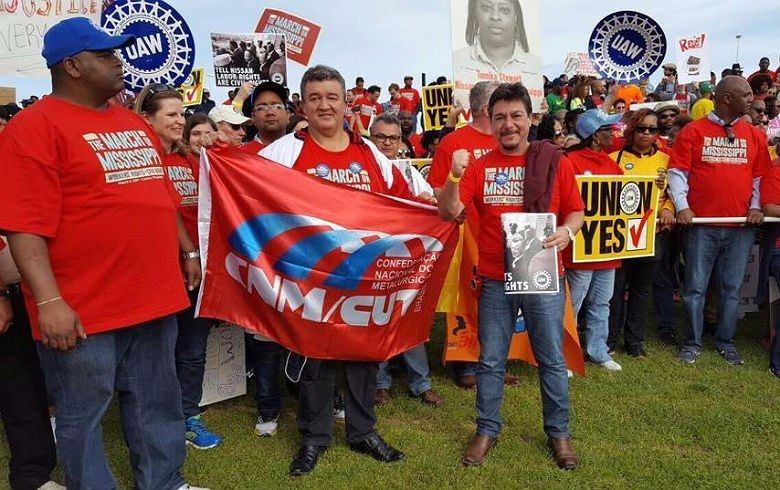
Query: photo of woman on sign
point(497, 44)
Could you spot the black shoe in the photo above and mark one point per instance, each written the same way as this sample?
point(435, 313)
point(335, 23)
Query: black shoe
point(306, 460)
point(668, 339)
point(774, 372)
point(378, 449)
point(636, 351)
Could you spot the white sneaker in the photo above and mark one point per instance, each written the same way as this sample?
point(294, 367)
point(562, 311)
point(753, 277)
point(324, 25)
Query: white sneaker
point(53, 422)
point(51, 485)
point(266, 428)
point(339, 414)
point(611, 366)
point(187, 486)
point(569, 373)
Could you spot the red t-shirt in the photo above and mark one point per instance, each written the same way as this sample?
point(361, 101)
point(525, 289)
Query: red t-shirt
point(183, 174)
point(252, 147)
point(367, 109)
point(416, 140)
point(354, 166)
point(770, 186)
point(494, 185)
point(92, 183)
point(589, 162)
point(465, 138)
point(402, 104)
point(412, 95)
point(359, 92)
point(720, 173)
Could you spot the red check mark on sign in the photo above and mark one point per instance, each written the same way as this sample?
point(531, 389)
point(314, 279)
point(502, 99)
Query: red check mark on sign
point(636, 232)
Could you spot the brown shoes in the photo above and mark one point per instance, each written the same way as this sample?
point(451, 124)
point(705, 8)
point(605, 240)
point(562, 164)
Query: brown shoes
point(563, 453)
point(382, 396)
point(468, 382)
point(477, 450)
point(511, 380)
point(430, 397)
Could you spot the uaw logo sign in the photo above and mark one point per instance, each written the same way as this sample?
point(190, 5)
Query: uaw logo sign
point(325, 273)
point(164, 50)
point(627, 46)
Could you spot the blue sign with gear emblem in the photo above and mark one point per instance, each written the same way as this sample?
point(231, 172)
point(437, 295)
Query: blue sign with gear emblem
point(164, 49)
point(627, 46)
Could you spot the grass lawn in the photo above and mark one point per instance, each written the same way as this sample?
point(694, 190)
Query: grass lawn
point(658, 424)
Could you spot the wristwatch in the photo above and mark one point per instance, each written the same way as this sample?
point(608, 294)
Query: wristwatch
point(571, 233)
point(191, 255)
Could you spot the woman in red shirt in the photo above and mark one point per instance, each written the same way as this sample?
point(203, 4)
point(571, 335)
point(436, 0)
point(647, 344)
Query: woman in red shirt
point(161, 106)
point(594, 281)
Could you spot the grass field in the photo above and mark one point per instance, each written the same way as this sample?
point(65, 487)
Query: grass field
point(658, 424)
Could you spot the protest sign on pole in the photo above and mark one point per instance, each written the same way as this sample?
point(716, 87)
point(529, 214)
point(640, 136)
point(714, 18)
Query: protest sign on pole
point(620, 214)
point(164, 49)
point(192, 89)
point(478, 50)
point(693, 58)
point(7, 95)
point(249, 57)
point(23, 25)
point(436, 103)
point(300, 34)
point(627, 46)
point(579, 64)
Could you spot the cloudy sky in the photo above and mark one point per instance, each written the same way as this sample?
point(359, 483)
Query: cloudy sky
point(382, 41)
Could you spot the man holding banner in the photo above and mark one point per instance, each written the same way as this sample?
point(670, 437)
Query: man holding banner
point(326, 150)
point(516, 177)
point(715, 172)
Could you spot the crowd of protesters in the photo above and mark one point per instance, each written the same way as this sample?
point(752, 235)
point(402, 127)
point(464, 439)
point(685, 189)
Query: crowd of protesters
point(118, 319)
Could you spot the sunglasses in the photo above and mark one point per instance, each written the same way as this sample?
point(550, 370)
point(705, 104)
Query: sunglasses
point(666, 115)
point(161, 88)
point(647, 129)
point(761, 111)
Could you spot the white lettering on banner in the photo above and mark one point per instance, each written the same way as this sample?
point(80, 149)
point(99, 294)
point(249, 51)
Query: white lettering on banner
point(357, 180)
point(626, 47)
point(125, 156)
point(145, 46)
point(317, 305)
point(503, 186)
point(721, 150)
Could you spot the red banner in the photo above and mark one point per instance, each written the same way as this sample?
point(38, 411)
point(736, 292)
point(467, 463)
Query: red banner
point(300, 34)
point(327, 271)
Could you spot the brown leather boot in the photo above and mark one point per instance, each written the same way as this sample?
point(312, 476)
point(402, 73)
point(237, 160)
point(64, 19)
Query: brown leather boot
point(430, 397)
point(469, 381)
point(477, 450)
point(563, 453)
point(511, 380)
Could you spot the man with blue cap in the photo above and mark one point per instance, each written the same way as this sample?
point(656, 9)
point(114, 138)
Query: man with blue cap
point(92, 224)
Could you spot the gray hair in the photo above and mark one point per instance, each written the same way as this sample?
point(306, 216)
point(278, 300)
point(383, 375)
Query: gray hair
point(322, 73)
point(480, 93)
point(386, 118)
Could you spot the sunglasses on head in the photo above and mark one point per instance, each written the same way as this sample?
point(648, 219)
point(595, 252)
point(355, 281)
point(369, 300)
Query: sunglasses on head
point(160, 88)
point(647, 129)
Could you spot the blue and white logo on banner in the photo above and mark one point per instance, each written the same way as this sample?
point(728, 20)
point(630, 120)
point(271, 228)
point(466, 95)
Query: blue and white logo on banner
point(164, 50)
point(627, 46)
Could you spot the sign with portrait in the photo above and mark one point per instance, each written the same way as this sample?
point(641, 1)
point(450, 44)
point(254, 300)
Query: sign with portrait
point(496, 40)
point(249, 57)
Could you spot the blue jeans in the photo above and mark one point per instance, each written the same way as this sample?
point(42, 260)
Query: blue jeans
point(707, 247)
point(595, 286)
point(138, 363)
point(774, 350)
point(191, 356)
point(543, 315)
point(417, 371)
point(267, 358)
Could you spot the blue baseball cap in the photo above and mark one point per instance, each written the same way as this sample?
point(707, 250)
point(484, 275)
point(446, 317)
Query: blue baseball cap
point(590, 122)
point(77, 34)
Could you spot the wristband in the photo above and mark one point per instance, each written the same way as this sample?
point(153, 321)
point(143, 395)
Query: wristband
point(191, 255)
point(42, 303)
point(453, 179)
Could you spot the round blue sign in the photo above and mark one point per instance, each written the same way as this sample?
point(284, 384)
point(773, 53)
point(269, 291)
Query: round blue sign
point(164, 49)
point(627, 46)
point(502, 178)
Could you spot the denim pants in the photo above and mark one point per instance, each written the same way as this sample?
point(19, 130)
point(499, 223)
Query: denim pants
point(543, 315)
point(137, 362)
point(727, 249)
point(593, 289)
point(267, 358)
point(774, 349)
point(417, 371)
point(191, 356)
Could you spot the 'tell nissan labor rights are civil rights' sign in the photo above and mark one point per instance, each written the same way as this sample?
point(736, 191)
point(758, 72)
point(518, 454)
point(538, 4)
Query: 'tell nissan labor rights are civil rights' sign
point(627, 46)
point(620, 213)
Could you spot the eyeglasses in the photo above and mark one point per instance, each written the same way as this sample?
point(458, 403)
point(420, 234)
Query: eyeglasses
point(235, 127)
point(666, 115)
point(760, 111)
point(385, 138)
point(647, 129)
point(268, 107)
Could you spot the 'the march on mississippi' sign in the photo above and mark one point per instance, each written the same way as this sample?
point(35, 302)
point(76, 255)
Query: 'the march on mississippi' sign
point(620, 213)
